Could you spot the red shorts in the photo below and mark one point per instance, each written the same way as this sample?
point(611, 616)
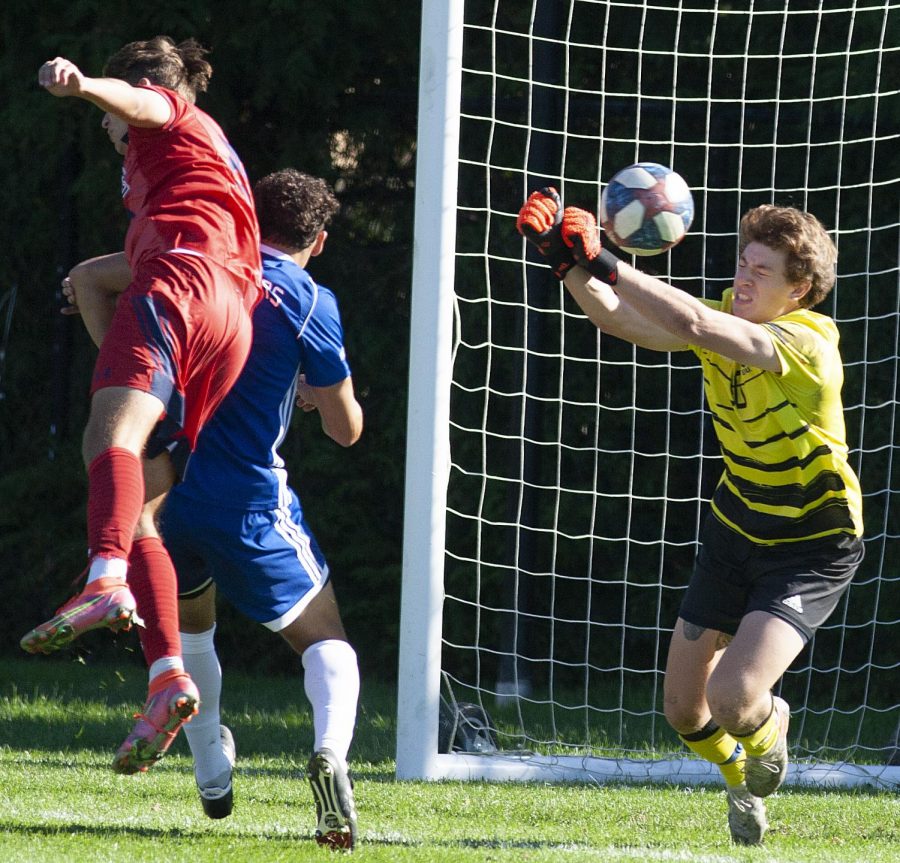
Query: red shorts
point(182, 332)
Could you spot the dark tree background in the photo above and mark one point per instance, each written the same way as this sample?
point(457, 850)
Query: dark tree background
point(329, 88)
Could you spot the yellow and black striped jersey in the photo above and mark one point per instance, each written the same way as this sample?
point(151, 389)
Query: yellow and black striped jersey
point(782, 436)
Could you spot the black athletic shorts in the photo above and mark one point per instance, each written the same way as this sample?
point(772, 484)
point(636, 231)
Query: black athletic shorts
point(800, 582)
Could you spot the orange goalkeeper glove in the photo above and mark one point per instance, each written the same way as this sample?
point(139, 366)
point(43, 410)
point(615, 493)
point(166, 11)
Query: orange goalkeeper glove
point(539, 222)
point(565, 238)
point(580, 234)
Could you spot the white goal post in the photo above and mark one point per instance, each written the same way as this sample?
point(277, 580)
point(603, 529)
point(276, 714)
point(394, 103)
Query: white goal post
point(556, 479)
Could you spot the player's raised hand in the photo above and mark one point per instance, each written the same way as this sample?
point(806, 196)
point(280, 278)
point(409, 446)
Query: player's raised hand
point(68, 293)
point(539, 222)
point(60, 77)
point(579, 232)
point(305, 399)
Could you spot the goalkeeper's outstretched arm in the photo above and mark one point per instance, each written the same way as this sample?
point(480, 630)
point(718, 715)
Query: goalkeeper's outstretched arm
point(689, 321)
point(611, 314)
point(642, 309)
point(568, 239)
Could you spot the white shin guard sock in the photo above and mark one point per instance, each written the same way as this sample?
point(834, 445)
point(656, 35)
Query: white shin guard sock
point(164, 664)
point(331, 681)
point(107, 567)
point(202, 732)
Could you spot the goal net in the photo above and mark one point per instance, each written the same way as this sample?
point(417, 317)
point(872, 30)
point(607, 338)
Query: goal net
point(556, 479)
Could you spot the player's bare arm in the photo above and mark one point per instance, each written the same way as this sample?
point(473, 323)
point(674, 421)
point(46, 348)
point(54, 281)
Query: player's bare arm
point(339, 411)
point(684, 317)
point(570, 237)
point(540, 222)
point(611, 314)
point(135, 105)
point(692, 322)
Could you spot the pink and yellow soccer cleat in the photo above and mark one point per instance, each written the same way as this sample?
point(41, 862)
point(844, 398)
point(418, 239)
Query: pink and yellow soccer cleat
point(105, 602)
point(173, 699)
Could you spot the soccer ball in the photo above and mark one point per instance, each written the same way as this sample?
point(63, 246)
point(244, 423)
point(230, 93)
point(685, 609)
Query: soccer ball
point(646, 209)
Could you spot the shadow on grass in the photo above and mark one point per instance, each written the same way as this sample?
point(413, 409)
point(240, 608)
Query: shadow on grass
point(111, 831)
point(105, 830)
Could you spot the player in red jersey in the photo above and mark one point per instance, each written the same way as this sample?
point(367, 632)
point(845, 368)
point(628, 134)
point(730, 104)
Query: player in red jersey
point(175, 342)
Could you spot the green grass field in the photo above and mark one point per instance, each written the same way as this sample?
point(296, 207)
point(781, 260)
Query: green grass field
point(60, 722)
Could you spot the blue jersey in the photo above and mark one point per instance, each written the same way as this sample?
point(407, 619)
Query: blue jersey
point(296, 329)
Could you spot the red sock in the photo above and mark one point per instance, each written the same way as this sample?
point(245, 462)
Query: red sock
point(152, 580)
point(115, 499)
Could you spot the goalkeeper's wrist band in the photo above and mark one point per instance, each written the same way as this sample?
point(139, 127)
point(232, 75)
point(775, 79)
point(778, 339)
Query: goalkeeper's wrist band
point(605, 267)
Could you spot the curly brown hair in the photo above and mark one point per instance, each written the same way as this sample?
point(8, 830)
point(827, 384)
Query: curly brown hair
point(810, 253)
point(292, 207)
point(182, 67)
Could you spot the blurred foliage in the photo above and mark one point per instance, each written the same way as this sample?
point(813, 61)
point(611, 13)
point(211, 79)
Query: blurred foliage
point(332, 89)
point(288, 92)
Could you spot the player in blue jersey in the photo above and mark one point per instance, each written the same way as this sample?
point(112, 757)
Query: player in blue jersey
point(234, 525)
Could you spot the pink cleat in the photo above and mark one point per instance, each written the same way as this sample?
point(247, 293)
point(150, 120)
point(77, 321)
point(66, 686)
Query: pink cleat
point(173, 700)
point(105, 602)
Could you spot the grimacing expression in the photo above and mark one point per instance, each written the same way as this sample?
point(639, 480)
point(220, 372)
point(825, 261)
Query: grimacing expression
point(761, 289)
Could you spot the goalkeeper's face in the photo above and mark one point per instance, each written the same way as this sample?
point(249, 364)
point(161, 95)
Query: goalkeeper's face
point(762, 291)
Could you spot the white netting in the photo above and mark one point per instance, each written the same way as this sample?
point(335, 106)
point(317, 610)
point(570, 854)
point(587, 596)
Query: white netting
point(581, 466)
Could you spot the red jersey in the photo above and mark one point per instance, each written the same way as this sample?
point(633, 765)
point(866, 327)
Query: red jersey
point(186, 189)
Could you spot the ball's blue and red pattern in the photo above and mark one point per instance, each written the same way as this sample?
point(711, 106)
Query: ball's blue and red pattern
point(646, 208)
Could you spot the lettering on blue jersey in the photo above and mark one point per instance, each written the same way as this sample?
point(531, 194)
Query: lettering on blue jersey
point(274, 293)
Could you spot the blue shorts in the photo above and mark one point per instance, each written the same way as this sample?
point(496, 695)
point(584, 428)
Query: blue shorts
point(266, 563)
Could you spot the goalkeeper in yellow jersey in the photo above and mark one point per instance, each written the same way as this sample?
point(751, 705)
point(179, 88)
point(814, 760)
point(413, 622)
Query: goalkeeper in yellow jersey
point(783, 538)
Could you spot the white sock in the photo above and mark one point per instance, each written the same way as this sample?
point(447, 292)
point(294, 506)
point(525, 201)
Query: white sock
point(331, 681)
point(107, 567)
point(202, 732)
point(164, 664)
